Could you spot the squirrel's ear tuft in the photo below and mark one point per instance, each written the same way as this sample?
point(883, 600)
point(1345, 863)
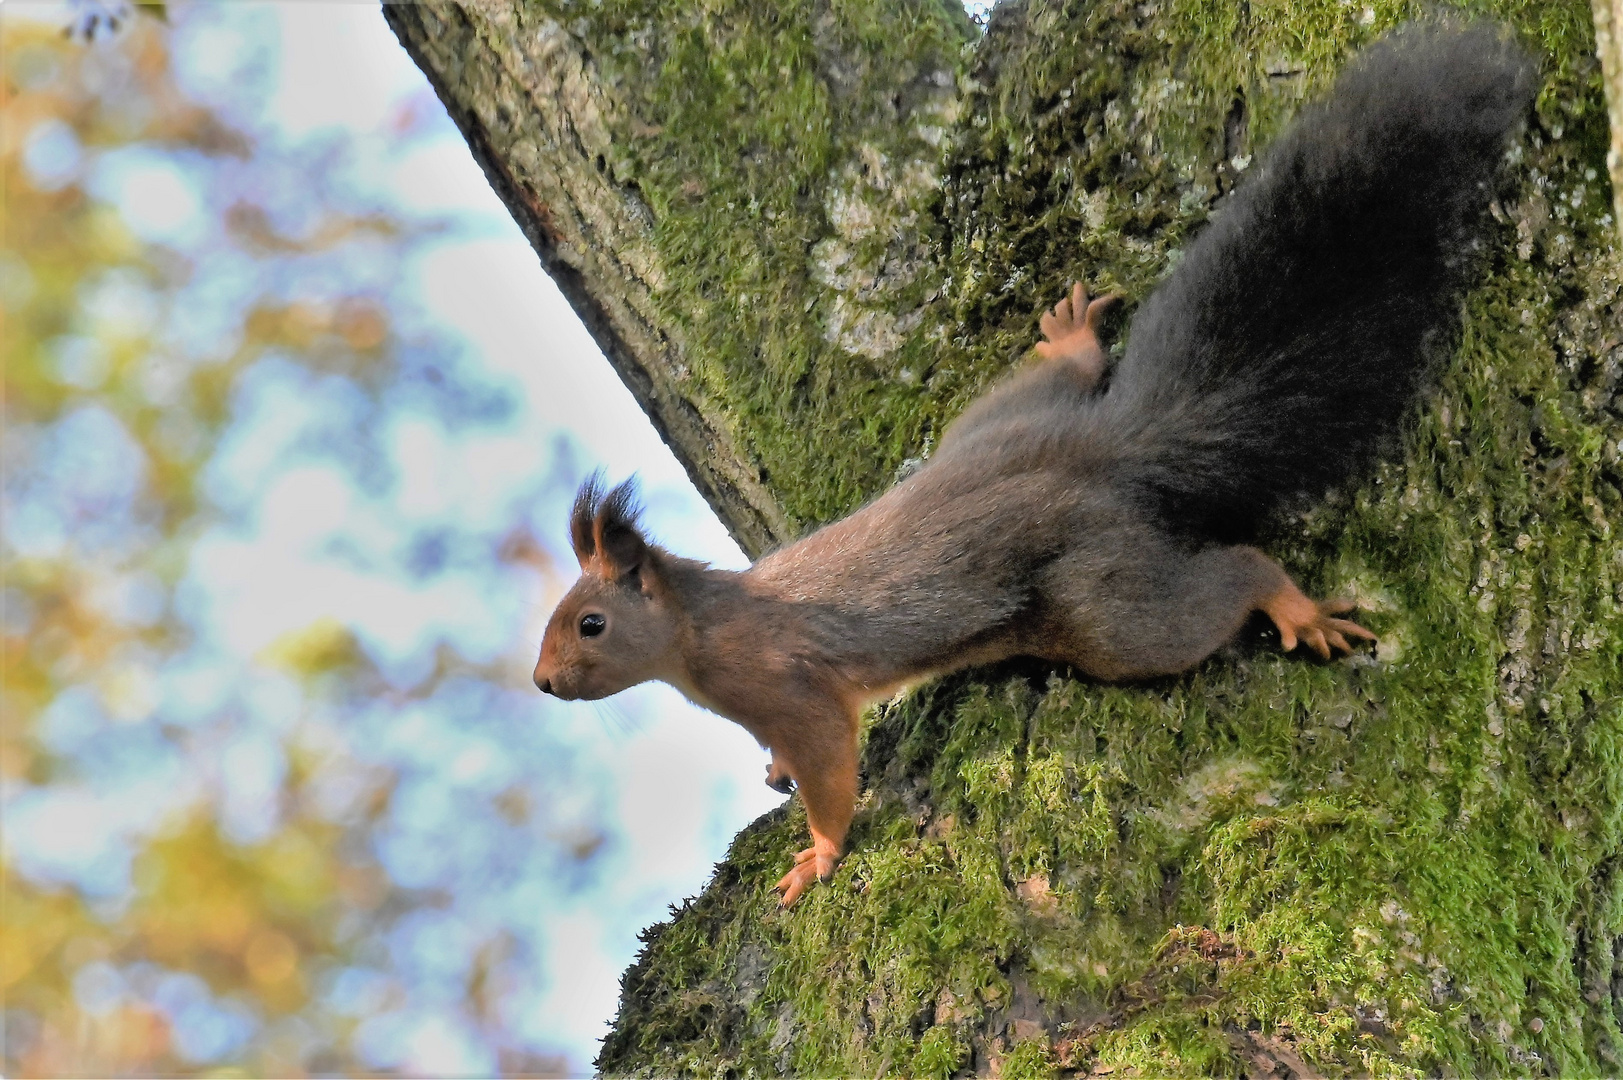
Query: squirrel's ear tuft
point(587, 500)
point(616, 540)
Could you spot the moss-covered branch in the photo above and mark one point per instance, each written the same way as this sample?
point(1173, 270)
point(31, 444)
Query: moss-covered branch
point(850, 214)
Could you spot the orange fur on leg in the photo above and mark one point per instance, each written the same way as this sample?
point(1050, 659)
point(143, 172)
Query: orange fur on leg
point(825, 773)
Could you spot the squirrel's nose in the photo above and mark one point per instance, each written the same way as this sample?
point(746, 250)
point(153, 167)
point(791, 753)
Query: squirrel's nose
point(543, 684)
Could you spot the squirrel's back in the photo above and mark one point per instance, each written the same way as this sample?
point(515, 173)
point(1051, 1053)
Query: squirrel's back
point(1297, 326)
point(1286, 343)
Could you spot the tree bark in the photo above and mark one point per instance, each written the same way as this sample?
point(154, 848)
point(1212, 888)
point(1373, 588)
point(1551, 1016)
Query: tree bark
point(806, 236)
point(1609, 47)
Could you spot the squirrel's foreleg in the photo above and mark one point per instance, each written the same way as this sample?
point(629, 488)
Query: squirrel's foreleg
point(778, 778)
point(820, 755)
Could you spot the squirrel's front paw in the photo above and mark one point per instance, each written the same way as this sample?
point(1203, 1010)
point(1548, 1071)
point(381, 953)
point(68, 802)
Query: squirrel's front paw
point(811, 865)
point(779, 780)
point(1313, 622)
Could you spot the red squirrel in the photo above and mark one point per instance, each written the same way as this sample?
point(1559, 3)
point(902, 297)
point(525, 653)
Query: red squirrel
point(1092, 522)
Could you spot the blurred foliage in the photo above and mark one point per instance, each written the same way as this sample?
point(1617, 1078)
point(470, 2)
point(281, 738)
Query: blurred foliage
point(95, 18)
point(189, 942)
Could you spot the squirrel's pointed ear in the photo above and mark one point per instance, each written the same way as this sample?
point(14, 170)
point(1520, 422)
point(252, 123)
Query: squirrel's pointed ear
point(582, 535)
point(616, 541)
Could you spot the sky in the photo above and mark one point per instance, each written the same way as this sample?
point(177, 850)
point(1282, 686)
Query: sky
point(674, 782)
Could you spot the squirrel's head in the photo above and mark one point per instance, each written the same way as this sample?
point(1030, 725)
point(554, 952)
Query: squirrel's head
point(617, 626)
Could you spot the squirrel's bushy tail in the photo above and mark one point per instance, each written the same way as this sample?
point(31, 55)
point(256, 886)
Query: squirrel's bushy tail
point(1294, 332)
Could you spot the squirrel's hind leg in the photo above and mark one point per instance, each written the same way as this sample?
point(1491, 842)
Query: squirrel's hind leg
point(1169, 609)
point(1071, 335)
point(1071, 362)
point(1312, 622)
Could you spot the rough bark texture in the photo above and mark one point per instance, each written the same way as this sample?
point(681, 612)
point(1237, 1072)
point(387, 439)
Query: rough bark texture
point(807, 235)
point(1609, 47)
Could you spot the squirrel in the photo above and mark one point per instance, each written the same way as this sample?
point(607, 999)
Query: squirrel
point(1100, 524)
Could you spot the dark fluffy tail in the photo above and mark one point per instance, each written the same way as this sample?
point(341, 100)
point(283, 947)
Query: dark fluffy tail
point(1288, 341)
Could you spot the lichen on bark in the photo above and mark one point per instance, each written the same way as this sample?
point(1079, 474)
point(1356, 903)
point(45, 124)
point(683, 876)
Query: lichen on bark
point(842, 223)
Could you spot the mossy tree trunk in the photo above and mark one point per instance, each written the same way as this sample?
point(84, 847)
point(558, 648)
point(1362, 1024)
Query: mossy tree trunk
point(807, 235)
point(1609, 49)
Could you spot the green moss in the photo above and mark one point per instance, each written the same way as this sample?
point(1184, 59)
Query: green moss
point(1411, 862)
point(940, 1054)
point(1031, 1059)
point(1167, 1043)
point(755, 145)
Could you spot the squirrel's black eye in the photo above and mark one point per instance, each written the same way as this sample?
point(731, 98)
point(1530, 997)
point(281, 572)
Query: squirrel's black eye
point(592, 625)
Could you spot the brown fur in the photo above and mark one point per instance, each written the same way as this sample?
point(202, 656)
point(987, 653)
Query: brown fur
point(1009, 541)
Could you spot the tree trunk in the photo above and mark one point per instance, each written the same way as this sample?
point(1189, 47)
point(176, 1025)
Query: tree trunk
point(806, 235)
point(1609, 48)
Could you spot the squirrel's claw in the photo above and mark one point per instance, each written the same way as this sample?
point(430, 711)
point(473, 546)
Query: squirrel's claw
point(1341, 629)
point(1301, 620)
point(811, 865)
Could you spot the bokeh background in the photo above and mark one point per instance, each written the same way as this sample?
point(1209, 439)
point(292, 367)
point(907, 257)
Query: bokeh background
point(291, 420)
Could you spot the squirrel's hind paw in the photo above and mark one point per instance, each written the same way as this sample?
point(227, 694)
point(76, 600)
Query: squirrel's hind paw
point(1071, 330)
point(1313, 623)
